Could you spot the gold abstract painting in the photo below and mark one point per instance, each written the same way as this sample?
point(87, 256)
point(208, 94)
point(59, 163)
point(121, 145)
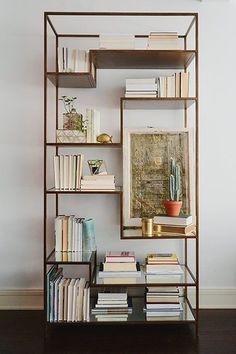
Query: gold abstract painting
point(148, 168)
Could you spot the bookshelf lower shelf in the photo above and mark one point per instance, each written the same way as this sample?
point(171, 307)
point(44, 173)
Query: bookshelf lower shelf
point(138, 316)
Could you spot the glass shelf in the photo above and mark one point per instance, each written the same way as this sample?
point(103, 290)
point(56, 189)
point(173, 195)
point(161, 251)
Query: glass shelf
point(117, 190)
point(136, 234)
point(70, 257)
point(145, 280)
point(138, 316)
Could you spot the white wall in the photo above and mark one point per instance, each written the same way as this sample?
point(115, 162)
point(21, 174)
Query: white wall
point(21, 81)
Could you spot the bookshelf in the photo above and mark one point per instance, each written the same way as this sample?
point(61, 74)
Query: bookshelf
point(123, 59)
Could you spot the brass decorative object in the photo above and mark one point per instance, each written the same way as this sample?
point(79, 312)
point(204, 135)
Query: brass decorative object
point(147, 224)
point(104, 138)
point(156, 230)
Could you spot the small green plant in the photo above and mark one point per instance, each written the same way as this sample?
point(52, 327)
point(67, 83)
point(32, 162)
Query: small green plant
point(74, 120)
point(68, 103)
point(174, 180)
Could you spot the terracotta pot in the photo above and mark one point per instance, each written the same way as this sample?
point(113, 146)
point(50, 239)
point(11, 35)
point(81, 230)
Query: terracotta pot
point(172, 207)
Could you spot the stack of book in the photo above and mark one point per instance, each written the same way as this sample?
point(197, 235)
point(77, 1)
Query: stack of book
point(163, 40)
point(112, 306)
point(98, 182)
point(92, 124)
point(72, 60)
point(68, 298)
point(68, 171)
point(176, 85)
point(163, 264)
point(119, 265)
point(141, 88)
point(182, 225)
point(74, 234)
point(162, 302)
point(116, 41)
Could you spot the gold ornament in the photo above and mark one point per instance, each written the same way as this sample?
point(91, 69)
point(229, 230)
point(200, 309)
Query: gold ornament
point(104, 138)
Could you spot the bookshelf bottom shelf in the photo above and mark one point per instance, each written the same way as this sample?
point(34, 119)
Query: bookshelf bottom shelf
point(138, 316)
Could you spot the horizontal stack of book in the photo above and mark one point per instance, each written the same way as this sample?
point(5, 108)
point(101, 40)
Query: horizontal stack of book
point(163, 264)
point(163, 41)
point(119, 265)
point(116, 41)
point(176, 85)
point(98, 182)
point(74, 234)
point(72, 60)
point(68, 171)
point(112, 306)
point(179, 225)
point(92, 124)
point(162, 302)
point(68, 299)
point(141, 88)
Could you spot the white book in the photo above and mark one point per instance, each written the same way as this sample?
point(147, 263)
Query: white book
point(70, 300)
point(140, 81)
point(98, 187)
point(85, 303)
point(66, 172)
point(73, 59)
point(70, 174)
point(177, 84)
point(88, 304)
point(140, 96)
point(65, 302)
point(75, 293)
point(171, 86)
point(95, 125)
point(97, 182)
point(56, 172)
point(74, 172)
point(183, 220)
point(56, 298)
point(79, 172)
point(162, 86)
point(61, 159)
point(80, 299)
point(74, 234)
point(166, 270)
point(111, 305)
point(163, 306)
point(141, 87)
point(58, 233)
point(99, 178)
point(175, 313)
point(70, 233)
point(61, 299)
point(89, 125)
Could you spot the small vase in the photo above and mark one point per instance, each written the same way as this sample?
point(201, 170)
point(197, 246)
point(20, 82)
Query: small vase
point(173, 207)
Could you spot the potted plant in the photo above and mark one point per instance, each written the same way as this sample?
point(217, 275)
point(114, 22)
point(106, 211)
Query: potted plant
point(173, 205)
point(74, 126)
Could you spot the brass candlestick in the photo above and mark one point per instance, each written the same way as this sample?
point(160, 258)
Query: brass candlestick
point(156, 230)
point(147, 224)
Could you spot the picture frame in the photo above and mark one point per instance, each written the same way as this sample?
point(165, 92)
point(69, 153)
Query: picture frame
point(146, 156)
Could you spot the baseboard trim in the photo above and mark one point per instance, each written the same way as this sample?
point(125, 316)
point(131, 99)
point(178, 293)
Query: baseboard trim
point(32, 299)
point(21, 299)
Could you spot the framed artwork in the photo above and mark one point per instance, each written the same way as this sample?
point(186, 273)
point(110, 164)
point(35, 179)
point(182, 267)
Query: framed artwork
point(146, 159)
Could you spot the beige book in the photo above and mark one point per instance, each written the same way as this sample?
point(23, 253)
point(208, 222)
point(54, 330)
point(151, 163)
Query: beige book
point(65, 234)
point(80, 298)
point(60, 299)
point(70, 172)
point(177, 84)
point(112, 267)
point(75, 293)
point(56, 172)
point(184, 81)
point(65, 302)
point(70, 300)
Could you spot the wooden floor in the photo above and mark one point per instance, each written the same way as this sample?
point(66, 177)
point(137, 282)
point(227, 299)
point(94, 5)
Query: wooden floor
point(23, 332)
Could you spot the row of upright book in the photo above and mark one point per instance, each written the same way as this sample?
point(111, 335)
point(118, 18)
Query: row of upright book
point(72, 60)
point(74, 234)
point(68, 171)
point(68, 299)
point(176, 85)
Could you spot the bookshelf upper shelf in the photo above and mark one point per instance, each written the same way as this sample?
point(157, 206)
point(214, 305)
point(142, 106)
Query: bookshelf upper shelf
point(72, 80)
point(141, 59)
point(157, 103)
